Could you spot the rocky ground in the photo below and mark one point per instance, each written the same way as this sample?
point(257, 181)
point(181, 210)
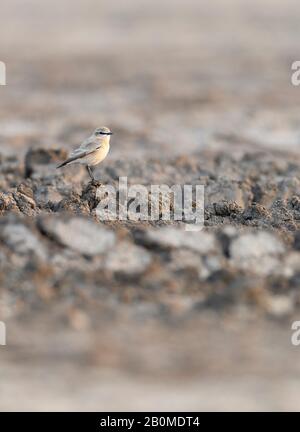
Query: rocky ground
point(64, 269)
point(248, 251)
point(122, 315)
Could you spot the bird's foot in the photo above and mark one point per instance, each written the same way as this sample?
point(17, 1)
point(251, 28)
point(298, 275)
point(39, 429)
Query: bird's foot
point(95, 183)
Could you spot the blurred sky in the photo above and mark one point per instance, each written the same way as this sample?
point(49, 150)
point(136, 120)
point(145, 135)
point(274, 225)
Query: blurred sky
point(166, 74)
point(46, 28)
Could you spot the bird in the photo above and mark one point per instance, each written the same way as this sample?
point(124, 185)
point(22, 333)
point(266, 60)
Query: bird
point(92, 151)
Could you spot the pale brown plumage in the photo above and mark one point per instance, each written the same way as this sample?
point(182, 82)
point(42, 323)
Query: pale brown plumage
point(92, 151)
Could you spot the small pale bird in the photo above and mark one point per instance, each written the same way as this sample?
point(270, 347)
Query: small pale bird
point(92, 151)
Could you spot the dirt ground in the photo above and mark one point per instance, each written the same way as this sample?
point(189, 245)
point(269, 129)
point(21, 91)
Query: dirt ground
point(137, 315)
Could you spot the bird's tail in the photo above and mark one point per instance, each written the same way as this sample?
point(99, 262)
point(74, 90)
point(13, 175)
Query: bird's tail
point(71, 159)
point(63, 164)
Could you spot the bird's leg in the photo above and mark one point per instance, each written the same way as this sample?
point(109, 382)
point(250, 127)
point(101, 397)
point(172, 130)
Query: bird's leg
point(90, 172)
point(94, 182)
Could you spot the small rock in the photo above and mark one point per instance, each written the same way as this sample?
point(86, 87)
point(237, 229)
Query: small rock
point(289, 186)
point(225, 237)
point(213, 263)
point(295, 202)
point(256, 211)
point(40, 160)
point(26, 190)
point(281, 213)
point(47, 195)
point(72, 204)
point(297, 240)
point(21, 240)
point(25, 203)
point(188, 260)
point(178, 305)
point(170, 237)
point(226, 208)
point(78, 319)
point(127, 259)
point(230, 231)
point(184, 259)
point(256, 252)
point(79, 234)
point(279, 305)
point(91, 194)
point(290, 265)
point(7, 202)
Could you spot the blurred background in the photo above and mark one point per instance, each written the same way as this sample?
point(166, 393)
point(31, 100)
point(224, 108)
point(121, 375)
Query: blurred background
point(169, 77)
point(166, 75)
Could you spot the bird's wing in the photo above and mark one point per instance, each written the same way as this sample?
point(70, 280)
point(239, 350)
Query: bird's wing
point(88, 146)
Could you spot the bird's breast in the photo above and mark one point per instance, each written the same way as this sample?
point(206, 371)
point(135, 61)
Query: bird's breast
point(98, 156)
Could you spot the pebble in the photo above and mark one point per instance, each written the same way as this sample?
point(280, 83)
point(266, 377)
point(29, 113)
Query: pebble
point(22, 240)
point(257, 252)
point(47, 194)
point(171, 237)
point(127, 259)
point(79, 234)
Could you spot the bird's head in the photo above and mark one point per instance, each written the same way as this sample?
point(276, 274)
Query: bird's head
point(102, 132)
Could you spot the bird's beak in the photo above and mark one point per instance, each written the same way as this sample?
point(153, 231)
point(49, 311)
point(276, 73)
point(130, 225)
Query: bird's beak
point(109, 133)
